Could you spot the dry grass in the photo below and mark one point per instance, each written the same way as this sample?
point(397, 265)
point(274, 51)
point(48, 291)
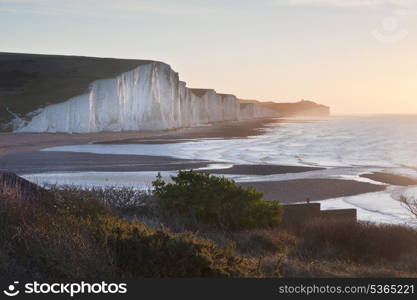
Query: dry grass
point(294, 267)
point(358, 242)
point(77, 235)
point(121, 232)
point(39, 240)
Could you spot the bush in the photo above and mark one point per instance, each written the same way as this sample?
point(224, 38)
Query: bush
point(123, 200)
point(81, 234)
point(79, 237)
point(358, 242)
point(263, 242)
point(48, 243)
point(143, 252)
point(216, 200)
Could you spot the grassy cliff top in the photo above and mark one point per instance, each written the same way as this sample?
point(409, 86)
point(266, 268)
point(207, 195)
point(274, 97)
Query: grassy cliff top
point(30, 81)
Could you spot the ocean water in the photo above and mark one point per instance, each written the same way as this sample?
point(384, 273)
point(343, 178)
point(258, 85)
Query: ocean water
point(346, 146)
point(387, 141)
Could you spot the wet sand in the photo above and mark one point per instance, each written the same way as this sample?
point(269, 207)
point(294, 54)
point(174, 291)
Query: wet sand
point(17, 142)
point(288, 191)
point(300, 190)
point(391, 179)
point(50, 161)
point(223, 130)
point(24, 142)
point(61, 161)
point(262, 170)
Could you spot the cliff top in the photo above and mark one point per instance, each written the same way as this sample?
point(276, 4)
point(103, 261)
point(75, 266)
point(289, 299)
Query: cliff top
point(248, 101)
point(225, 95)
point(199, 92)
point(31, 81)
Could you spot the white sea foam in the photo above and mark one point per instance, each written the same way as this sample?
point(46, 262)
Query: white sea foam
point(380, 207)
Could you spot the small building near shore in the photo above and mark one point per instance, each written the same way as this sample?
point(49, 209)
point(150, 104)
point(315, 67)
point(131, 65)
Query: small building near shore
point(296, 214)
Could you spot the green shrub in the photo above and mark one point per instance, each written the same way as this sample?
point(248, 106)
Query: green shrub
point(216, 200)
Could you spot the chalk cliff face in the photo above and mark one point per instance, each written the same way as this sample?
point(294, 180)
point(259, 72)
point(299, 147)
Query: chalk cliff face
point(56, 93)
point(150, 97)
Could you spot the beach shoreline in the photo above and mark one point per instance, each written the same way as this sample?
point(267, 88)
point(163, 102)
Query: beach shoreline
point(12, 142)
point(89, 165)
point(391, 179)
point(20, 153)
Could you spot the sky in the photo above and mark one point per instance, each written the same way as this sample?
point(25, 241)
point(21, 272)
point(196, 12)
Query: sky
point(357, 56)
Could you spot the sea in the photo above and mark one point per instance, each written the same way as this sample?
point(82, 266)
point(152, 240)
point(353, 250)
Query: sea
point(346, 146)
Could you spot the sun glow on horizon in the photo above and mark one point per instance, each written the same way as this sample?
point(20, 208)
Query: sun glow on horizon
point(354, 56)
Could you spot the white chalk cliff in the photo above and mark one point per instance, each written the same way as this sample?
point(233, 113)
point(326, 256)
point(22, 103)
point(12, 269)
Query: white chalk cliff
point(150, 97)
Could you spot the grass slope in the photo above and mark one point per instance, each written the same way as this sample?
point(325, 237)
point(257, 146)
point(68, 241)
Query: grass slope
point(110, 233)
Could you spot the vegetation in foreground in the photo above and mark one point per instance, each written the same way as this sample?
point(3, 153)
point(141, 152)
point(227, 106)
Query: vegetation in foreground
point(77, 236)
point(117, 232)
point(217, 201)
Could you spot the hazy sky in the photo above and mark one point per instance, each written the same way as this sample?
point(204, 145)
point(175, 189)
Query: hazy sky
point(358, 56)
